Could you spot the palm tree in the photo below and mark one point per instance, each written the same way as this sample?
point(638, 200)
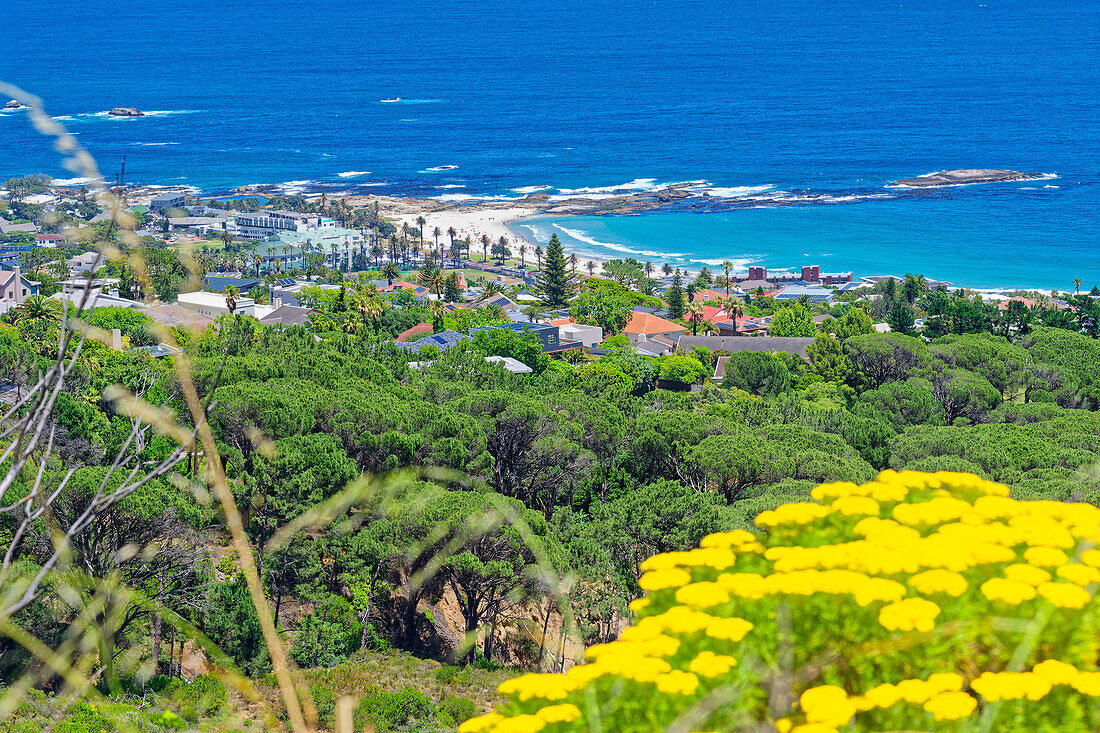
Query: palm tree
point(436, 234)
point(492, 287)
point(648, 269)
point(734, 308)
point(522, 256)
point(38, 308)
point(438, 281)
point(591, 267)
point(231, 294)
point(452, 234)
point(1077, 283)
point(439, 311)
point(501, 251)
point(420, 222)
point(390, 272)
point(727, 266)
point(666, 269)
point(538, 255)
point(695, 310)
point(485, 247)
point(257, 259)
point(573, 263)
point(372, 308)
point(466, 245)
point(376, 251)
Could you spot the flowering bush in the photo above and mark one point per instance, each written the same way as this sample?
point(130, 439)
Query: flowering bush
point(914, 602)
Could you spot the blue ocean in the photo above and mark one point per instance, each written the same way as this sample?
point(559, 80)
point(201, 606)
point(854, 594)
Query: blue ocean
point(808, 108)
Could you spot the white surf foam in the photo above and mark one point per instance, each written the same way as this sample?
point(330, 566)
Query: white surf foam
point(70, 181)
point(451, 185)
point(580, 236)
point(434, 169)
point(353, 174)
point(739, 263)
point(531, 189)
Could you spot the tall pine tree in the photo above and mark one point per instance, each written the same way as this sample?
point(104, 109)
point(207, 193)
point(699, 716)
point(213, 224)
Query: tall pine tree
point(553, 281)
point(675, 297)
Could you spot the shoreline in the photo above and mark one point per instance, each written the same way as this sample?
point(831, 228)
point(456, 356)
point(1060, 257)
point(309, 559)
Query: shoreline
point(495, 217)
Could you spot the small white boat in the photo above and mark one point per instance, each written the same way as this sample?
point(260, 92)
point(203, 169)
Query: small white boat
point(390, 101)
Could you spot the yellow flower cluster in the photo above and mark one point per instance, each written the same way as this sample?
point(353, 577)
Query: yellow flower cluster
point(912, 574)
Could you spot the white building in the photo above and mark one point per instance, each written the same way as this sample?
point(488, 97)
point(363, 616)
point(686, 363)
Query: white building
point(213, 305)
point(261, 224)
point(587, 335)
point(83, 263)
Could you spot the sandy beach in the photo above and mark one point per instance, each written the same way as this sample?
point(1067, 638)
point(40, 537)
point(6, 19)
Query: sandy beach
point(471, 222)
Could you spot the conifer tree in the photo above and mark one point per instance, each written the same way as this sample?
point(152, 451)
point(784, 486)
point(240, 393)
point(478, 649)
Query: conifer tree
point(553, 281)
point(675, 297)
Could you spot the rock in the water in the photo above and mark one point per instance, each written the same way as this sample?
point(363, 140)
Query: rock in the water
point(967, 175)
point(126, 112)
point(13, 104)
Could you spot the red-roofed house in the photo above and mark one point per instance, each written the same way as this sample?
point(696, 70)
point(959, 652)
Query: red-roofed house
point(412, 334)
point(1003, 305)
point(49, 240)
point(652, 334)
point(561, 321)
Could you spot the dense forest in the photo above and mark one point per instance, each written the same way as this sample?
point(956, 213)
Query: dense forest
point(506, 502)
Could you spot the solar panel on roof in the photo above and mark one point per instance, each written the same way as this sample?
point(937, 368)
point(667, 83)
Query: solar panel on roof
point(439, 339)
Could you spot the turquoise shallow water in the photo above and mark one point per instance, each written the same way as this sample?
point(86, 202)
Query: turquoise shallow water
point(1010, 235)
point(757, 101)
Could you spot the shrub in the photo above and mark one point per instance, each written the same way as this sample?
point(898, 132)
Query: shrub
point(917, 601)
point(324, 699)
point(393, 709)
point(85, 718)
point(456, 710)
point(447, 673)
point(200, 697)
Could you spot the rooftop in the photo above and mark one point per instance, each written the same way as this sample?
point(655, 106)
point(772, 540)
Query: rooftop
point(648, 324)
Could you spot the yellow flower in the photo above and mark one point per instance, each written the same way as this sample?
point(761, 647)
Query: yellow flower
point(995, 686)
point(480, 723)
point(1027, 574)
point(828, 705)
point(1056, 672)
point(1079, 574)
point(910, 614)
point(1011, 592)
point(520, 724)
point(744, 585)
point(813, 728)
point(728, 539)
point(565, 713)
point(951, 705)
point(545, 686)
point(703, 595)
point(1087, 683)
point(1048, 556)
point(638, 604)
point(709, 664)
point(800, 512)
point(677, 682)
point(854, 505)
point(1065, 595)
point(666, 578)
point(883, 696)
point(733, 629)
point(936, 511)
point(939, 581)
point(1091, 558)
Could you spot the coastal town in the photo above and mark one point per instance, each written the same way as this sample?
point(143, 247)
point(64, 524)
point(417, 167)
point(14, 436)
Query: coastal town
point(281, 260)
